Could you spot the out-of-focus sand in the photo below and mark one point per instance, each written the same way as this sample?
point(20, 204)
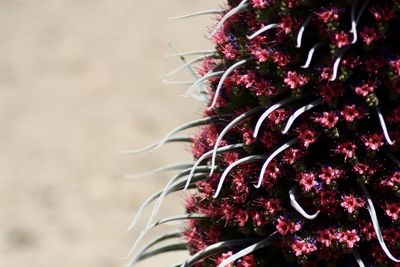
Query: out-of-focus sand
point(79, 79)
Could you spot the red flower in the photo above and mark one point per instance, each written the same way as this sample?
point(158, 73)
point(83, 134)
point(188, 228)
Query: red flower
point(342, 39)
point(302, 247)
point(295, 80)
point(261, 3)
point(364, 90)
point(307, 137)
point(373, 141)
point(350, 238)
point(329, 15)
point(325, 237)
point(396, 65)
point(230, 52)
point(285, 226)
point(347, 149)
point(350, 113)
point(393, 211)
point(307, 180)
point(328, 119)
point(329, 174)
point(369, 35)
point(352, 203)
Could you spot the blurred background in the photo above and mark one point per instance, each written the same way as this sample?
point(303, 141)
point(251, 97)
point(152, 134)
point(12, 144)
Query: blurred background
point(79, 80)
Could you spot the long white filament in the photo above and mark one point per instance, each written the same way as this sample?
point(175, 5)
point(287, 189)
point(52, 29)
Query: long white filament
point(263, 29)
point(223, 78)
point(201, 80)
point(300, 111)
point(337, 63)
point(354, 20)
point(301, 31)
point(250, 249)
point(192, 53)
point(269, 111)
point(297, 207)
point(310, 55)
point(150, 147)
point(207, 155)
point(233, 165)
point(185, 65)
point(383, 125)
point(232, 124)
point(232, 12)
point(358, 258)
point(198, 13)
point(375, 223)
point(271, 157)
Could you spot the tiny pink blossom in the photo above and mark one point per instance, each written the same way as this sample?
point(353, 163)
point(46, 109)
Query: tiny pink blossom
point(285, 226)
point(364, 90)
point(328, 119)
point(351, 113)
point(325, 237)
point(373, 141)
point(347, 149)
point(329, 174)
point(393, 211)
point(369, 35)
point(352, 203)
point(295, 80)
point(350, 238)
point(302, 247)
point(307, 180)
point(342, 39)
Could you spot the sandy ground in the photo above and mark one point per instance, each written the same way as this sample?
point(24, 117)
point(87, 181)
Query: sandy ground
point(79, 79)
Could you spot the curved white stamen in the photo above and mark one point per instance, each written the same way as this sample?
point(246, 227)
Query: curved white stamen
point(375, 223)
point(271, 157)
point(232, 12)
point(310, 55)
point(250, 249)
point(383, 125)
point(269, 111)
point(201, 80)
point(207, 155)
point(263, 29)
point(150, 147)
point(198, 13)
point(233, 165)
point(358, 258)
point(192, 53)
point(183, 66)
point(185, 126)
point(232, 124)
point(178, 82)
point(171, 167)
point(226, 74)
point(298, 208)
point(300, 111)
point(353, 22)
point(337, 63)
point(301, 31)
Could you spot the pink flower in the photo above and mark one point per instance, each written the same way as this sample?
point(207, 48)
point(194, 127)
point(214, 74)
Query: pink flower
point(291, 155)
point(328, 198)
point(287, 24)
point(393, 210)
point(302, 247)
point(261, 3)
point(350, 238)
point(373, 141)
point(328, 119)
point(329, 92)
point(248, 79)
point(364, 90)
point(352, 203)
point(368, 230)
point(307, 180)
point(362, 169)
point(396, 65)
point(295, 80)
point(223, 257)
point(328, 15)
point(286, 226)
point(307, 137)
point(269, 139)
point(325, 237)
point(350, 113)
point(369, 35)
point(342, 39)
point(329, 174)
point(272, 205)
point(395, 178)
point(230, 52)
point(247, 261)
point(347, 149)
point(278, 116)
point(242, 217)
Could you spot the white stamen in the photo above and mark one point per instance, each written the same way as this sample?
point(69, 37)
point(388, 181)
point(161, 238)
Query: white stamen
point(271, 157)
point(298, 208)
point(232, 12)
point(310, 55)
point(263, 29)
point(301, 31)
point(226, 74)
point(269, 111)
point(383, 125)
point(199, 13)
point(192, 53)
point(300, 111)
point(201, 80)
point(233, 165)
point(337, 63)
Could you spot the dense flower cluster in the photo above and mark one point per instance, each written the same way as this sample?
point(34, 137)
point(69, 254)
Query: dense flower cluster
point(328, 74)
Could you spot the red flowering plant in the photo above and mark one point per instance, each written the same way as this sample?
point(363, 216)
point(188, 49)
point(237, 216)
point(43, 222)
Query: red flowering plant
point(297, 158)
